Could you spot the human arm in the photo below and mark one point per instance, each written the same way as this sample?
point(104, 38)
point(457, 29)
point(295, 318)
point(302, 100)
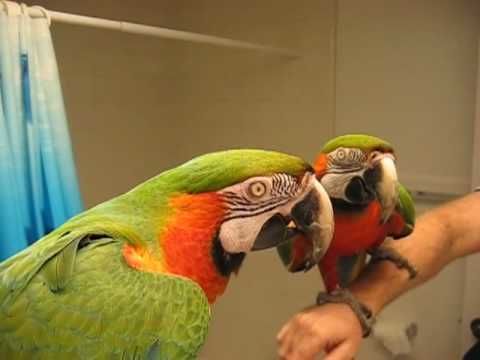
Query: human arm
point(440, 236)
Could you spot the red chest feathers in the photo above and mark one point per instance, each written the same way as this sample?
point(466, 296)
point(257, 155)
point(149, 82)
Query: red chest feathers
point(187, 241)
point(355, 232)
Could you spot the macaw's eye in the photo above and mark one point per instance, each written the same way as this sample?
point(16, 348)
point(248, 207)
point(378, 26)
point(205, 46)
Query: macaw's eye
point(257, 189)
point(341, 154)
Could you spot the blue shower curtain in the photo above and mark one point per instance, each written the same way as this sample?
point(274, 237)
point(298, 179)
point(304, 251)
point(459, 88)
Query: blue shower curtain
point(38, 183)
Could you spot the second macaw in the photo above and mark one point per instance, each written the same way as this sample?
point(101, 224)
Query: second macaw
point(359, 174)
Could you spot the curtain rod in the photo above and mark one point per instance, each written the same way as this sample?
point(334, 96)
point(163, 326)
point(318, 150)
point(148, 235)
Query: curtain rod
point(133, 28)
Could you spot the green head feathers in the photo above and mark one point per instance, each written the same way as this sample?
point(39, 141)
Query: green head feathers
point(360, 141)
point(214, 171)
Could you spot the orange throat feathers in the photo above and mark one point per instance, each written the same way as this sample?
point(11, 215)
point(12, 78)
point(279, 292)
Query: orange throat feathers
point(189, 244)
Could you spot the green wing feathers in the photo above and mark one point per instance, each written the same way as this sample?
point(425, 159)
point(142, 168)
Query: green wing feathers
point(406, 205)
point(88, 304)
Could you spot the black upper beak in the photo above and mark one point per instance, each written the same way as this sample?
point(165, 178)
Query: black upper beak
point(312, 218)
point(360, 190)
point(276, 231)
point(273, 232)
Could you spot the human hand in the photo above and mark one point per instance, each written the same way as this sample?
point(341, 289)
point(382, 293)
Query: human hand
point(330, 328)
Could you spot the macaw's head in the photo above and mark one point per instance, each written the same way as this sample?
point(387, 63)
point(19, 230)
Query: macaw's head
point(225, 204)
point(358, 169)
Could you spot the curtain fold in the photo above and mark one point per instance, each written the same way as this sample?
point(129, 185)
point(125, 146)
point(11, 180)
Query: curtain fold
point(38, 182)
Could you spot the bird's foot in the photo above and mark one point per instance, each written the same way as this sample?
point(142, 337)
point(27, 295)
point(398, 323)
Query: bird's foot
point(388, 253)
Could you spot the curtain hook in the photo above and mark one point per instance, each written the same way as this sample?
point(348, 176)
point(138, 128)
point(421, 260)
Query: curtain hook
point(6, 7)
point(44, 12)
point(11, 8)
point(24, 9)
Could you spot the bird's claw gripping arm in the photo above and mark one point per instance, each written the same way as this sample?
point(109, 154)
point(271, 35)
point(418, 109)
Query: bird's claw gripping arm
point(344, 296)
point(388, 253)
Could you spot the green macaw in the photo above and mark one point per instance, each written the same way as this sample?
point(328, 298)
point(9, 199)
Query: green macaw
point(134, 277)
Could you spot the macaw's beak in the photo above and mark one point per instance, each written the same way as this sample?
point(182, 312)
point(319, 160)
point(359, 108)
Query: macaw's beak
point(382, 178)
point(309, 231)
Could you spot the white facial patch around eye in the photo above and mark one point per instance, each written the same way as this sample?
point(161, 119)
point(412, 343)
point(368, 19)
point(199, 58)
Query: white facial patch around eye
point(246, 216)
point(343, 159)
